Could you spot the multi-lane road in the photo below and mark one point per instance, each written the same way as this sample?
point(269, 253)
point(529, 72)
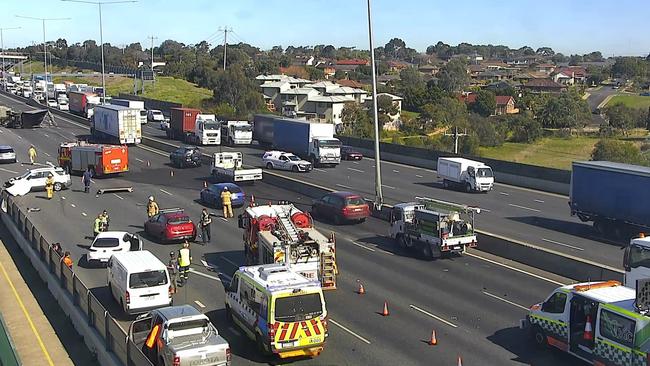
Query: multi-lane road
point(473, 302)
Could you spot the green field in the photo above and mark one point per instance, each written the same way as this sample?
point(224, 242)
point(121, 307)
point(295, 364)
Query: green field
point(549, 152)
point(633, 101)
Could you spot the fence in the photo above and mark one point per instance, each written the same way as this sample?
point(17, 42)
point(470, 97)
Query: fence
point(115, 338)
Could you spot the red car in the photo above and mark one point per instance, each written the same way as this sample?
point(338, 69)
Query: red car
point(341, 207)
point(349, 153)
point(171, 225)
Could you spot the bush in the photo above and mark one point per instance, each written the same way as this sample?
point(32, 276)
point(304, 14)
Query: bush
point(525, 129)
point(489, 130)
point(618, 151)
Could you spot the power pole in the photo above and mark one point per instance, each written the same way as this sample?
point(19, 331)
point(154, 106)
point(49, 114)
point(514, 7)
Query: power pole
point(456, 136)
point(225, 31)
point(379, 195)
point(152, 38)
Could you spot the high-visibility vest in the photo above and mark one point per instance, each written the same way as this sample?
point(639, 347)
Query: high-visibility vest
point(49, 182)
point(67, 261)
point(184, 257)
point(151, 339)
point(225, 198)
point(152, 208)
point(98, 222)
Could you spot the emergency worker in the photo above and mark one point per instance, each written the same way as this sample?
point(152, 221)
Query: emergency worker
point(172, 269)
point(226, 202)
point(49, 186)
point(97, 225)
point(184, 261)
point(32, 154)
point(152, 207)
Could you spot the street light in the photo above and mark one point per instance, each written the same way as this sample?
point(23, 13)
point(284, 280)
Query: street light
point(101, 33)
point(2, 44)
point(47, 99)
point(379, 197)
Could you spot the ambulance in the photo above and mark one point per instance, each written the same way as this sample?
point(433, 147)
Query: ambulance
point(602, 323)
point(281, 310)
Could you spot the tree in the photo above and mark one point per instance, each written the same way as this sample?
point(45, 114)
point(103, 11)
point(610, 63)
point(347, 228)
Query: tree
point(233, 87)
point(545, 51)
point(453, 76)
point(356, 121)
point(485, 104)
point(629, 67)
point(575, 60)
point(393, 47)
point(524, 128)
point(328, 51)
point(410, 77)
point(314, 73)
point(647, 120)
point(618, 151)
point(567, 110)
point(487, 130)
point(559, 57)
point(621, 117)
point(450, 112)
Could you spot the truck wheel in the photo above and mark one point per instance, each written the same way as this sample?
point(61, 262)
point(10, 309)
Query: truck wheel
point(426, 252)
point(58, 186)
point(468, 188)
point(261, 346)
point(445, 184)
point(539, 337)
point(401, 241)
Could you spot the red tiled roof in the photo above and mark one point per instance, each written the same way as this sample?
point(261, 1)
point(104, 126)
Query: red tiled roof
point(354, 61)
point(468, 98)
point(503, 99)
point(350, 83)
point(543, 83)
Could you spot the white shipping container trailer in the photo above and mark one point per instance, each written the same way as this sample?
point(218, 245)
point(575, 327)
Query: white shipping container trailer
point(116, 124)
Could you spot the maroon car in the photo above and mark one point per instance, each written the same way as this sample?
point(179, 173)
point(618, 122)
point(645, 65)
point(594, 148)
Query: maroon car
point(349, 153)
point(171, 225)
point(341, 207)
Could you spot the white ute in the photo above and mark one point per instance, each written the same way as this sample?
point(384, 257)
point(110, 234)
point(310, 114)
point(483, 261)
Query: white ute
point(228, 166)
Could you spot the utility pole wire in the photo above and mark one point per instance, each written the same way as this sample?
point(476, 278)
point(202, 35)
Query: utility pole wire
point(152, 38)
point(456, 135)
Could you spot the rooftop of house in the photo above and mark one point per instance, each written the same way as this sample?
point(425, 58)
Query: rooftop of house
point(274, 84)
point(280, 77)
point(392, 96)
point(300, 91)
point(503, 99)
point(354, 61)
point(468, 98)
point(543, 83)
point(330, 99)
point(346, 90)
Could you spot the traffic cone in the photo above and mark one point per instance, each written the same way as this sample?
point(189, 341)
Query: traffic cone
point(385, 311)
point(460, 361)
point(171, 173)
point(588, 334)
point(433, 341)
point(361, 290)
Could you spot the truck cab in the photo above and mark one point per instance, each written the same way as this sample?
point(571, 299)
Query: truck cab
point(237, 132)
point(470, 175)
point(325, 151)
point(636, 260)
point(207, 131)
point(601, 323)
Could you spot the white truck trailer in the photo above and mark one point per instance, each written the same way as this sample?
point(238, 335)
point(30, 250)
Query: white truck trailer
point(470, 175)
point(116, 124)
point(229, 166)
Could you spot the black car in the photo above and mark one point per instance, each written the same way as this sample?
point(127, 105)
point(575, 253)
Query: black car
point(186, 156)
point(349, 153)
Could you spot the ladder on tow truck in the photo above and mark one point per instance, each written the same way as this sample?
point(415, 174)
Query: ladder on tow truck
point(286, 223)
point(328, 268)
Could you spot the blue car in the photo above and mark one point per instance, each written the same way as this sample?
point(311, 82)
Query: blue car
point(212, 195)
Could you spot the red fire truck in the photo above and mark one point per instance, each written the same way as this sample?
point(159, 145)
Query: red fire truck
point(276, 232)
point(101, 159)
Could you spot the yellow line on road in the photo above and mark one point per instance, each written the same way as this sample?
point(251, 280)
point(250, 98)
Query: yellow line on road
point(29, 319)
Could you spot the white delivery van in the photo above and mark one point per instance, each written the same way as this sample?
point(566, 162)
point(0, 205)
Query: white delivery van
point(139, 281)
point(470, 175)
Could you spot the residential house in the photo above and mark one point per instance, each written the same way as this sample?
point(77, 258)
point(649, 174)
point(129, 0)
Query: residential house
point(545, 68)
point(543, 86)
point(324, 86)
point(359, 95)
point(354, 62)
point(387, 79)
point(328, 69)
point(296, 71)
point(351, 83)
point(326, 109)
point(271, 92)
point(292, 101)
point(475, 70)
point(505, 105)
point(494, 65)
point(397, 66)
point(467, 98)
point(431, 70)
point(570, 75)
point(525, 77)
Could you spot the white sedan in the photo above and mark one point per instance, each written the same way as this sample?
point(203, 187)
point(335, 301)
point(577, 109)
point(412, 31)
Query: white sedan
point(110, 242)
point(286, 161)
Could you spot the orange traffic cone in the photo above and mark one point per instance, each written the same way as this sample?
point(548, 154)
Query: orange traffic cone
point(361, 290)
point(385, 311)
point(433, 341)
point(588, 334)
point(460, 361)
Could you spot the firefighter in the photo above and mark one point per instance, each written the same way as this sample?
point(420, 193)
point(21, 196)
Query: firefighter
point(226, 202)
point(105, 220)
point(49, 186)
point(184, 261)
point(32, 154)
point(152, 207)
point(172, 269)
point(97, 225)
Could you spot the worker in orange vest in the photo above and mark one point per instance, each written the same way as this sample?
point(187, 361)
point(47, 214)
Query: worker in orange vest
point(67, 260)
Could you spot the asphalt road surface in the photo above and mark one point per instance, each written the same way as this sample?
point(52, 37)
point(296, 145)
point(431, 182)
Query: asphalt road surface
point(473, 302)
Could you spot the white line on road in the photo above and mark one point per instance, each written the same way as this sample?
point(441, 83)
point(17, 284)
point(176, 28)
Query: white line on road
point(19, 137)
point(395, 171)
point(539, 201)
point(524, 207)
point(385, 251)
point(73, 205)
point(46, 154)
point(504, 193)
point(83, 214)
point(231, 262)
point(433, 316)
point(120, 197)
point(419, 176)
point(140, 160)
point(391, 187)
point(356, 170)
point(205, 275)
point(362, 246)
point(349, 331)
point(343, 186)
point(321, 170)
point(164, 191)
point(355, 162)
point(46, 135)
point(8, 171)
point(62, 197)
point(514, 269)
point(562, 244)
point(224, 219)
point(200, 304)
point(504, 300)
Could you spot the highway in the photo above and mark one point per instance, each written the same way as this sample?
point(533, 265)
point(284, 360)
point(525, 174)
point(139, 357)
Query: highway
point(473, 302)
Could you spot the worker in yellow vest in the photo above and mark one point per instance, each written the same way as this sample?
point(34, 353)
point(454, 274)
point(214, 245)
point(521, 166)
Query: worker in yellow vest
point(184, 261)
point(226, 202)
point(49, 186)
point(32, 154)
point(152, 207)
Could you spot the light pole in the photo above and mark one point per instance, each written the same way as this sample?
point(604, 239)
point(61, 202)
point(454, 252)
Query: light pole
point(379, 197)
point(2, 44)
point(47, 99)
point(101, 33)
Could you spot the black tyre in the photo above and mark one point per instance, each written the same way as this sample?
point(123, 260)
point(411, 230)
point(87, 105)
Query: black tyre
point(269, 166)
point(337, 220)
point(426, 252)
point(58, 186)
point(445, 184)
point(401, 241)
point(294, 169)
point(539, 337)
point(261, 345)
point(468, 188)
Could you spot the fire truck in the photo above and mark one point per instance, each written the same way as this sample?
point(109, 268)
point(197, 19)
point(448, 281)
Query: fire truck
point(101, 159)
point(281, 233)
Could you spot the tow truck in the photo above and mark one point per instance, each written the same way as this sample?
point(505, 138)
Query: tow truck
point(433, 227)
point(229, 166)
point(100, 159)
point(281, 233)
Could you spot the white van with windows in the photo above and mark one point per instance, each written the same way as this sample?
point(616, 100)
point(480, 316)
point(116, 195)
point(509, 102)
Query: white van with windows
point(139, 281)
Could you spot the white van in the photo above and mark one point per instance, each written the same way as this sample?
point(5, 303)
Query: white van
point(139, 281)
point(470, 175)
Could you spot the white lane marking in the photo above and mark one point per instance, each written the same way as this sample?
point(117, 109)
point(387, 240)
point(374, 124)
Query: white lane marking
point(348, 330)
point(515, 269)
point(164, 191)
point(8, 171)
point(231, 262)
point(224, 219)
point(83, 214)
point(205, 275)
point(62, 197)
point(46, 154)
point(73, 205)
point(385, 251)
point(200, 304)
point(343, 186)
point(562, 244)
point(19, 137)
point(395, 171)
point(391, 187)
point(355, 162)
point(419, 176)
point(524, 207)
point(46, 135)
point(433, 316)
point(505, 300)
point(120, 197)
point(539, 201)
point(321, 170)
point(356, 170)
point(362, 246)
point(504, 193)
point(140, 160)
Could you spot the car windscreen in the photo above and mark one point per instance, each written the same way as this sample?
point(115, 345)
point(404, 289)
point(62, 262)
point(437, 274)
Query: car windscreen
point(6, 150)
point(484, 172)
point(211, 126)
point(329, 143)
point(105, 243)
point(639, 256)
point(354, 201)
point(298, 308)
point(148, 279)
point(243, 128)
point(178, 220)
